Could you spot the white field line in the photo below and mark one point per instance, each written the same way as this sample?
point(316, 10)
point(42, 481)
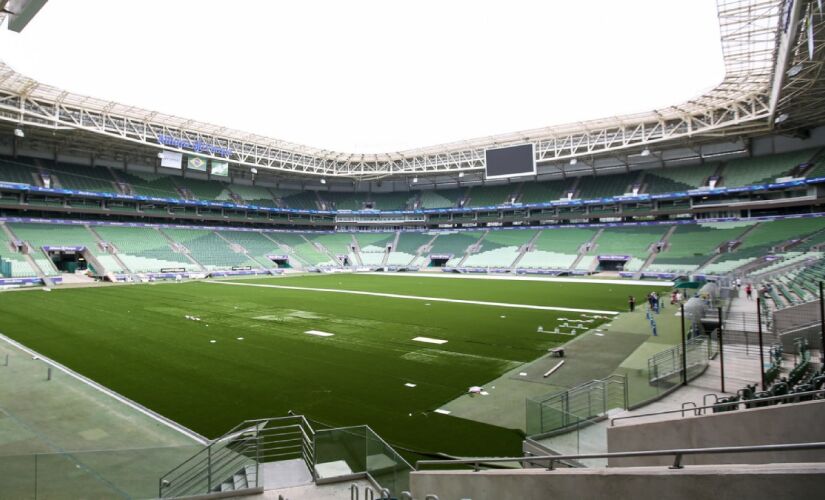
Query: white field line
point(105, 390)
point(416, 297)
point(319, 333)
point(428, 340)
point(526, 278)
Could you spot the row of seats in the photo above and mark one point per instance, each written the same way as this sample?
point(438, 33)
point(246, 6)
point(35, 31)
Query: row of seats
point(143, 250)
point(800, 379)
point(15, 264)
point(692, 245)
point(798, 283)
point(686, 249)
point(762, 239)
point(734, 173)
point(210, 250)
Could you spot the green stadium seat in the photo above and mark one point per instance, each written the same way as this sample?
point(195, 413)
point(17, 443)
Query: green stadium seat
point(604, 186)
point(485, 196)
point(691, 245)
point(676, 179)
point(304, 250)
point(254, 195)
point(762, 169)
point(210, 250)
point(143, 249)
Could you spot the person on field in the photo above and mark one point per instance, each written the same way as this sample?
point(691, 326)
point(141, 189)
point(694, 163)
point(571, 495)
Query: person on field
point(749, 291)
point(631, 302)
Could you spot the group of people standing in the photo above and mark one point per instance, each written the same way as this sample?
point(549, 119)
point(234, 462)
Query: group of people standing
point(655, 302)
point(749, 288)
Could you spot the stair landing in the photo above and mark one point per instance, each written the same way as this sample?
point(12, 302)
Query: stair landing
point(285, 474)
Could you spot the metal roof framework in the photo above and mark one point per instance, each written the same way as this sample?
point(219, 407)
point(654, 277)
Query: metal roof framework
point(759, 40)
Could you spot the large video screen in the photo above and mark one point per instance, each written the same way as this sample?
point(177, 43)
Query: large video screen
point(513, 161)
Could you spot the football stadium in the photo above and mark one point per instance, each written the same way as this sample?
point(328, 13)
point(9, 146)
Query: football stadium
point(623, 307)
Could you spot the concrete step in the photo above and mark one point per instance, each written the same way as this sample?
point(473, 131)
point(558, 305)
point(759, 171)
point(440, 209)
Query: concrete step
point(239, 480)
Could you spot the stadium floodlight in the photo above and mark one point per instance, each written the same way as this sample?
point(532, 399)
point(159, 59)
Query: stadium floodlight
point(781, 118)
point(254, 170)
point(573, 161)
point(18, 132)
point(645, 152)
point(460, 175)
point(794, 70)
point(323, 180)
point(415, 179)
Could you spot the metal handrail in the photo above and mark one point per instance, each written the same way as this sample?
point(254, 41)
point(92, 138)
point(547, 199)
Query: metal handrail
point(387, 445)
point(217, 463)
point(790, 395)
point(212, 461)
point(288, 436)
point(677, 453)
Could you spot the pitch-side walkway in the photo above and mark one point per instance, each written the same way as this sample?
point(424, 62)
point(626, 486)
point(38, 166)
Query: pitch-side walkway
point(416, 297)
point(603, 281)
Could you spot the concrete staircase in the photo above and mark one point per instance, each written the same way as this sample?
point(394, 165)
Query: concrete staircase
point(474, 248)
point(321, 248)
point(112, 252)
point(242, 479)
point(295, 261)
point(356, 251)
point(583, 251)
point(424, 249)
point(238, 248)
point(393, 247)
point(653, 254)
point(40, 274)
point(185, 251)
point(524, 249)
point(718, 255)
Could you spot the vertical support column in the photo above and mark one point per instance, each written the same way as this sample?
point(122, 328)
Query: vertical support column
point(208, 469)
point(721, 350)
point(684, 347)
point(822, 324)
point(761, 346)
point(625, 392)
point(604, 398)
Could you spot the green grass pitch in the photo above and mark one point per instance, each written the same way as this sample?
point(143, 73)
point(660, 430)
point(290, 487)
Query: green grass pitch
point(137, 341)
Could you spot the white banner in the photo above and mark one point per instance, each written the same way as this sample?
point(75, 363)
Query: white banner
point(170, 159)
point(220, 168)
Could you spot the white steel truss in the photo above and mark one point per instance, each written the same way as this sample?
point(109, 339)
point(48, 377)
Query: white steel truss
point(751, 32)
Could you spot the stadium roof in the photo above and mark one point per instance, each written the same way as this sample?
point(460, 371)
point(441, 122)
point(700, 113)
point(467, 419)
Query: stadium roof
point(772, 53)
point(19, 12)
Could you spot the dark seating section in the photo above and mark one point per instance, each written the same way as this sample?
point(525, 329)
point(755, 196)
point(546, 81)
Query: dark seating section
point(178, 184)
point(801, 379)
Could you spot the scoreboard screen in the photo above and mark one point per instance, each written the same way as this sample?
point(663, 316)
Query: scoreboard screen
point(513, 161)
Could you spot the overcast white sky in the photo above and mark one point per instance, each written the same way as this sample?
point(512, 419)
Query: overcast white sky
point(377, 75)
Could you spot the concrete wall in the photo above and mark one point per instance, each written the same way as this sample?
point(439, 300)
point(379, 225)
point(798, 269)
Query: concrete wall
point(793, 423)
point(641, 483)
point(795, 317)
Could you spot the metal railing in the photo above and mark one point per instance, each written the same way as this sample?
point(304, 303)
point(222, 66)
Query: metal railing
point(365, 454)
point(241, 451)
point(667, 364)
point(549, 461)
point(728, 406)
point(588, 402)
